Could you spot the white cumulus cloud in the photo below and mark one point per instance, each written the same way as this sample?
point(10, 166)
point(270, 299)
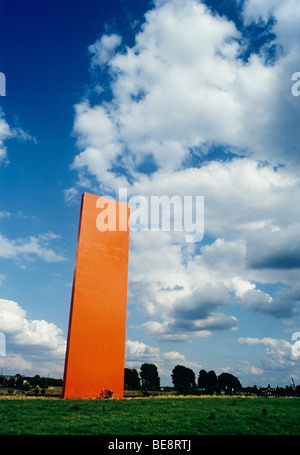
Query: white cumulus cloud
point(38, 343)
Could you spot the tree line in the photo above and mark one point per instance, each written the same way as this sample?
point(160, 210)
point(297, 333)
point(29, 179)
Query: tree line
point(19, 381)
point(183, 379)
point(147, 379)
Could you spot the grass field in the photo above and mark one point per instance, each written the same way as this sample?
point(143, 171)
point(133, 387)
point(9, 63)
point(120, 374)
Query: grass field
point(150, 416)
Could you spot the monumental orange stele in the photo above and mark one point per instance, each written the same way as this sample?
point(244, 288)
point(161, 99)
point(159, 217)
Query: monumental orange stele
point(95, 356)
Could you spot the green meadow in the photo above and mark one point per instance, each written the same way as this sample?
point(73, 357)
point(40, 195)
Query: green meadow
point(150, 416)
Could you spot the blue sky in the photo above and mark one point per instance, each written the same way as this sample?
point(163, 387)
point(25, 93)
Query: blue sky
point(184, 98)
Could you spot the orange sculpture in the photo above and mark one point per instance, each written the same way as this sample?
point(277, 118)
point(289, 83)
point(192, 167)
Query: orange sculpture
point(95, 354)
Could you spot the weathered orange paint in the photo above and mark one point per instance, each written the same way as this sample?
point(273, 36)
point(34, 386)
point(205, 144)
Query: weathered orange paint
point(95, 354)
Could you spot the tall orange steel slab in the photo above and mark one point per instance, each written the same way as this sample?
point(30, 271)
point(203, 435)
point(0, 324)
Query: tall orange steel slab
point(95, 354)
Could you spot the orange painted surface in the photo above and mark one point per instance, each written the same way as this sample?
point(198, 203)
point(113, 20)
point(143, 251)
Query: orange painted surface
point(95, 354)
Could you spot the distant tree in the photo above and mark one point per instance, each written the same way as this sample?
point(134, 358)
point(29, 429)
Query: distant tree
point(208, 381)
point(131, 379)
point(202, 379)
point(149, 376)
point(228, 382)
point(34, 381)
point(11, 382)
point(43, 383)
point(26, 386)
point(19, 381)
point(37, 380)
point(54, 382)
point(212, 381)
point(183, 379)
